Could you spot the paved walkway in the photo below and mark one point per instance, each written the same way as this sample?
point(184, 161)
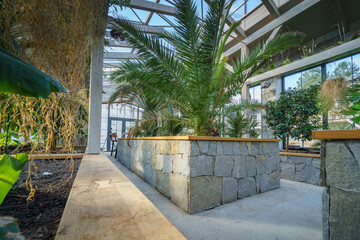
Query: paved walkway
point(105, 204)
point(291, 212)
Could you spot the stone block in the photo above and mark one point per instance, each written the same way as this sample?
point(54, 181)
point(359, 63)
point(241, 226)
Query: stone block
point(228, 148)
point(300, 167)
point(205, 193)
point(354, 147)
point(325, 212)
point(287, 171)
point(260, 164)
point(250, 166)
point(139, 168)
point(219, 148)
point(150, 175)
point(342, 166)
point(181, 164)
point(212, 148)
point(284, 158)
point(194, 149)
point(147, 157)
point(229, 189)
point(344, 217)
point(239, 170)
point(163, 147)
point(272, 163)
point(179, 190)
point(308, 174)
point(243, 149)
point(236, 148)
point(201, 166)
point(253, 148)
point(247, 187)
point(174, 147)
point(316, 162)
point(269, 148)
point(203, 147)
point(224, 165)
point(163, 183)
point(163, 163)
point(184, 147)
point(267, 182)
point(300, 160)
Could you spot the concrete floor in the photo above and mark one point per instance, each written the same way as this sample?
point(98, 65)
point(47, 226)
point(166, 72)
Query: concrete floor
point(291, 212)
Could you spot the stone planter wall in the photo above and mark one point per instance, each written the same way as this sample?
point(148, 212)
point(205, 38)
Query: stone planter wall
point(200, 174)
point(340, 173)
point(300, 168)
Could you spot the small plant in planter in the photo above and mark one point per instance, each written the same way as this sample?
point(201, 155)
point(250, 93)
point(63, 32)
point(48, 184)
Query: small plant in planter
point(237, 121)
point(294, 114)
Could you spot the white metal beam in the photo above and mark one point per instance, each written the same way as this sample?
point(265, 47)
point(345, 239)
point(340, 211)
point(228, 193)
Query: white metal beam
point(314, 60)
point(271, 7)
point(114, 43)
point(143, 28)
point(119, 55)
point(111, 65)
point(238, 30)
point(298, 9)
point(153, 7)
point(149, 16)
point(274, 33)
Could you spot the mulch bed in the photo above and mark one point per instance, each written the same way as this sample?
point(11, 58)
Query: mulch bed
point(40, 218)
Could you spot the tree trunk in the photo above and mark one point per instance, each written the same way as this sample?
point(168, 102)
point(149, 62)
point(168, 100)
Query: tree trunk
point(287, 143)
point(52, 146)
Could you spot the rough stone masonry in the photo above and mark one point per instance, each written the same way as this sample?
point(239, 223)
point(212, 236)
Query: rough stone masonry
point(198, 175)
point(340, 173)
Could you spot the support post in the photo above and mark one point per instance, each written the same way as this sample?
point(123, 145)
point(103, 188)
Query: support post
point(95, 99)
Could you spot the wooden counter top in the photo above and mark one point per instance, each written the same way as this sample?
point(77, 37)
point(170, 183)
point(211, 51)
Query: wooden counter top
point(353, 134)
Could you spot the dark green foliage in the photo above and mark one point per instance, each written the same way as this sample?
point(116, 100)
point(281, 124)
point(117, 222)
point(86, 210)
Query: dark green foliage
point(19, 77)
point(239, 124)
point(294, 114)
point(353, 99)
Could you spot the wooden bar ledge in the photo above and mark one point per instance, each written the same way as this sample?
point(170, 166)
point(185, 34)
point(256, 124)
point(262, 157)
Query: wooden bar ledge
point(105, 204)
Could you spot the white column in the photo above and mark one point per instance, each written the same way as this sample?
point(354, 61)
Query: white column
point(95, 100)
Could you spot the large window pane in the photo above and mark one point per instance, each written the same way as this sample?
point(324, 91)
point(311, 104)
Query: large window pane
point(237, 9)
point(255, 93)
point(251, 4)
point(292, 81)
point(339, 68)
point(311, 77)
point(356, 68)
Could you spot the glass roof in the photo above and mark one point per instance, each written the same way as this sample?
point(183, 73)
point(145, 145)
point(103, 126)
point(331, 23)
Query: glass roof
point(238, 10)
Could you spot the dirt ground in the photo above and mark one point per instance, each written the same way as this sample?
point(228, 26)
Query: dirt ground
point(39, 219)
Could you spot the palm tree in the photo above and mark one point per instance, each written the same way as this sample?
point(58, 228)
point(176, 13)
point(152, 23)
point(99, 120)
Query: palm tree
point(186, 68)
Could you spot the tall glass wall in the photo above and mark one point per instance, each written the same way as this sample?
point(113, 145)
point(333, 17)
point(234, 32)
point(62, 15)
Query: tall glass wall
point(348, 68)
point(119, 118)
point(242, 7)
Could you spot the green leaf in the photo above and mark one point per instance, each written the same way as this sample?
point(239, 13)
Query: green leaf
point(10, 169)
point(19, 77)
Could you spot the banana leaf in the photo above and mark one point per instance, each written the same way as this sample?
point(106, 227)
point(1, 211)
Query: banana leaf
point(19, 77)
point(10, 169)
